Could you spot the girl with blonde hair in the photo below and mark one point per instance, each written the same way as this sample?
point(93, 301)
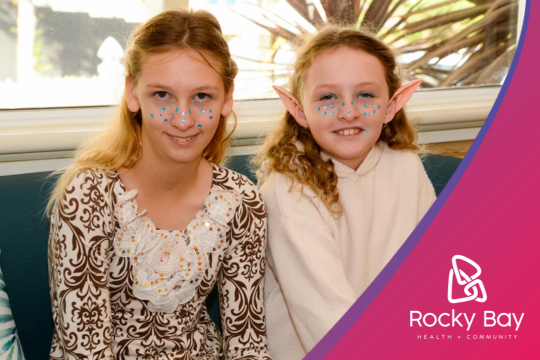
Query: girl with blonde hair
point(145, 221)
point(342, 183)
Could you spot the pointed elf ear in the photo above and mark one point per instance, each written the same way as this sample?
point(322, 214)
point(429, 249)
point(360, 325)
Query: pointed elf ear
point(400, 98)
point(292, 105)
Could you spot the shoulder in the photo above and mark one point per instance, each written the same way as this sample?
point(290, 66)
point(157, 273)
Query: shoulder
point(228, 179)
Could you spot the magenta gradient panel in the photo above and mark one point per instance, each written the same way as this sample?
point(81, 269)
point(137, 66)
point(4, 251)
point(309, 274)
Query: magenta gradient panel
point(492, 216)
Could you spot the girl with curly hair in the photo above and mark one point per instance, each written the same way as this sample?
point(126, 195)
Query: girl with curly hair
point(342, 183)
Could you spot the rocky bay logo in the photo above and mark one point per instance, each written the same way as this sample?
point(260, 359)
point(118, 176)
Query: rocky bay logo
point(472, 283)
point(474, 289)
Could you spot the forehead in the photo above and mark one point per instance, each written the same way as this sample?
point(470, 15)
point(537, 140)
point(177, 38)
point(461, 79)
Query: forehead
point(185, 66)
point(344, 66)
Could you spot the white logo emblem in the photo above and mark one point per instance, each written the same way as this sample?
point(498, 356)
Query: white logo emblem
point(470, 282)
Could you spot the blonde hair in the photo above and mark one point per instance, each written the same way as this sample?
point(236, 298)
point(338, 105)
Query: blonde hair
point(120, 144)
point(281, 149)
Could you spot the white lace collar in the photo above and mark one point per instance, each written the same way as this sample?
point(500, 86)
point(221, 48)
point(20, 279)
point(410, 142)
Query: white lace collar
point(168, 266)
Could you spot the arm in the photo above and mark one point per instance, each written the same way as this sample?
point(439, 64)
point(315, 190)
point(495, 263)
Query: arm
point(79, 270)
point(307, 261)
point(241, 281)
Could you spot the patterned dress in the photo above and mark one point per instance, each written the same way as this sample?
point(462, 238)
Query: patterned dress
point(123, 289)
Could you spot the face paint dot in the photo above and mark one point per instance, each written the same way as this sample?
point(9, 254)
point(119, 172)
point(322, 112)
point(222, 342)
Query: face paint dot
point(160, 116)
point(189, 111)
point(211, 117)
point(162, 109)
point(183, 113)
point(331, 106)
point(176, 109)
point(339, 109)
point(342, 104)
point(348, 111)
point(365, 114)
point(202, 111)
point(379, 106)
point(151, 115)
point(325, 107)
point(324, 113)
point(370, 114)
point(352, 102)
point(166, 120)
point(183, 120)
point(374, 111)
point(211, 111)
point(357, 108)
point(199, 126)
point(365, 105)
point(373, 105)
point(331, 113)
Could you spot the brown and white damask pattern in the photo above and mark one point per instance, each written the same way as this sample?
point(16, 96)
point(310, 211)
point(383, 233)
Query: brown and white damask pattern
point(96, 315)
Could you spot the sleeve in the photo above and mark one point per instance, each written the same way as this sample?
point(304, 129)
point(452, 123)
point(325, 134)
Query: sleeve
point(79, 270)
point(307, 262)
point(241, 282)
point(426, 192)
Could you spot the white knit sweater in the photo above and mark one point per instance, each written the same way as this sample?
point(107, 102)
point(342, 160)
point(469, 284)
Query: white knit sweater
point(319, 265)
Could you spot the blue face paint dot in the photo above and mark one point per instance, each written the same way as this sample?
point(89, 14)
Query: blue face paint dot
point(171, 115)
point(325, 107)
point(166, 120)
point(379, 106)
point(189, 111)
point(151, 115)
point(365, 114)
point(162, 109)
point(318, 109)
point(370, 114)
point(211, 111)
point(352, 102)
point(348, 111)
point(183, 120)
point(365, 105)
point(374, 111)
point(374, 106)
point(176, 109)
point(183, 113)
point(331, 113)
point(357, 108)
point(211, 117)
point(342, 104)
point(202, 111)
point(324, 113)
point(199, 126)
point(331, 106)
point(160, 116)
point(339, 109)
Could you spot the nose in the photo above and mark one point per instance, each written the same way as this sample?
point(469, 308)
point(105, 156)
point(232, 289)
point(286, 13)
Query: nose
point(349, 111)
point(182, 118)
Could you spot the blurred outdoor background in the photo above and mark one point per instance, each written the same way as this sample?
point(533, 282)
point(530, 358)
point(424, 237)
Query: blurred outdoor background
point(68, 53)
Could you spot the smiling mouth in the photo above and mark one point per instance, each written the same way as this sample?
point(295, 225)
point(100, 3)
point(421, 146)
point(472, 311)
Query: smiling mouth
point(353, 131)
point(183, 139)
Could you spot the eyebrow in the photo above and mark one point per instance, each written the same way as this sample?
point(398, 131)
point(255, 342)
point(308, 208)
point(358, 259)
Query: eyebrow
point(334, 85)
point(165, 87)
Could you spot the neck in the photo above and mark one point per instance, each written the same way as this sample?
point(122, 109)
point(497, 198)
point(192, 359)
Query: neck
point(159, 178)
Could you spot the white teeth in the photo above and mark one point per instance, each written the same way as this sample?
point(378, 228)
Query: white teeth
point(349, 131)
point(182, 140)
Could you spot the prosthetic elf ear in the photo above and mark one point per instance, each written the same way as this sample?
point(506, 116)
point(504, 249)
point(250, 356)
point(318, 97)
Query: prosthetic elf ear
point(400, 98)
point(131, 96)
point(292, 105)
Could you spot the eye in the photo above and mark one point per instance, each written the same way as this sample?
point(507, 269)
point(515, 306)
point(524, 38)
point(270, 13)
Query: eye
point(202, 96)
point(162, 95)
point(366, 94)
point(328, 97)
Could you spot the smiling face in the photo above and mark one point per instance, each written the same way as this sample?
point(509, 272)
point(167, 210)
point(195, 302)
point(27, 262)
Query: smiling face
point(181, 99)
point(344, 103)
